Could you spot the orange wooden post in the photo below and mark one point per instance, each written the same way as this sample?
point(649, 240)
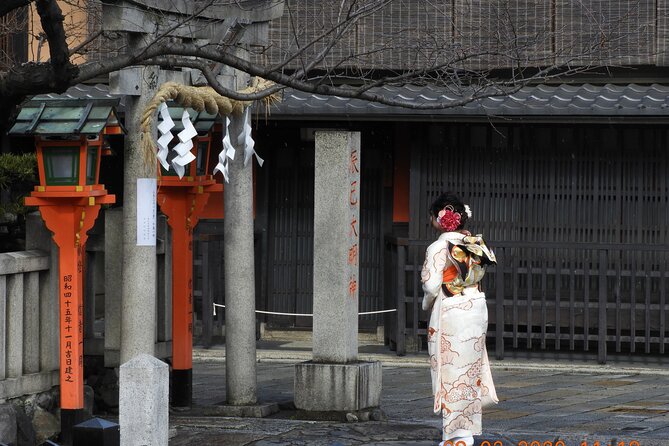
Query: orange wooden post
point(183, 202)
point(70, 215)
point(69, 148)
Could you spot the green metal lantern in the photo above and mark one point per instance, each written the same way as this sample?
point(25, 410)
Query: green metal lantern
point(69, 137)
point(68, 162)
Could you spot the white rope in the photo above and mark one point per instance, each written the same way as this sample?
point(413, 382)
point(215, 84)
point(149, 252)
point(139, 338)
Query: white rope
point(306, 314)
point(377, 312)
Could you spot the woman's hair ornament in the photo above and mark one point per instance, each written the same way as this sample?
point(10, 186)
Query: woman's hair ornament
point(448, 219)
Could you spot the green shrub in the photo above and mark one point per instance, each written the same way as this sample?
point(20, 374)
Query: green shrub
point(17, 176)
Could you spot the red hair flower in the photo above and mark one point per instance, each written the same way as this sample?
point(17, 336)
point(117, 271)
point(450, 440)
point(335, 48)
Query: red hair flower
point(448, 219)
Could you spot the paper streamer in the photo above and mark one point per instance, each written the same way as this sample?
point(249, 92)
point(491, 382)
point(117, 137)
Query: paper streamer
point(246, 139)
point(189, 131)
point(166, 136)
point(180, 170)
point(183, 148)
point(227, 144)
point(227, 152)
point(243, 139)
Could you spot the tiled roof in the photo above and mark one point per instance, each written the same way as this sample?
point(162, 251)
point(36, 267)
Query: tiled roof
point(81, 110)
point(98, 93)
point(541, 100)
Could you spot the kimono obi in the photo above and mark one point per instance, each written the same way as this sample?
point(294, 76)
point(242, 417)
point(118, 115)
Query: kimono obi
point(469, 258)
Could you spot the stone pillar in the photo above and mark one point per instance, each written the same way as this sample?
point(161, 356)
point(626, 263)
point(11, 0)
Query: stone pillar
point(113, 270)
point(39, 237)
point(144, 383)
point(143, 401)
point(14, 325)
point(240, 319)
point(336, 234)
point(335, 381)
point(138, 304)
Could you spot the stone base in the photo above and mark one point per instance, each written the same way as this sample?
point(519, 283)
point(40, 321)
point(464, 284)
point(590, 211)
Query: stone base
point(144, 401)
point(260, 410)
point(337, 387)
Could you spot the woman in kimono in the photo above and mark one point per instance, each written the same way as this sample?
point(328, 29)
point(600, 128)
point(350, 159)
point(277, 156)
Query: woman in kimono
point(454, 266)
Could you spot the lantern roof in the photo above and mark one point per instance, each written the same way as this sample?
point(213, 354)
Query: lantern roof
point(202, 121)
point(81, 110)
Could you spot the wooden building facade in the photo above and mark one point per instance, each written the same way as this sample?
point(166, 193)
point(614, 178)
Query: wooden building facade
point(574, 198)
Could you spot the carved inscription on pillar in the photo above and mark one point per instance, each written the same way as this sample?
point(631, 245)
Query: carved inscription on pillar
point(354, 210)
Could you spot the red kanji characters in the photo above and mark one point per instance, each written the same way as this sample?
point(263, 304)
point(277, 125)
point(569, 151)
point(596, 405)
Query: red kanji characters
point(353, 254)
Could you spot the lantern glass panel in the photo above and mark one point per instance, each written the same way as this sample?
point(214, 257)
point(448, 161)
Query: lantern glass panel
point(61, 165)
point(92, 164)
point(202, 155)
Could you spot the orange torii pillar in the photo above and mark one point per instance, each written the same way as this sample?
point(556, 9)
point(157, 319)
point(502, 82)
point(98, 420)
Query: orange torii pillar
point(183, 201)
point(69, 214)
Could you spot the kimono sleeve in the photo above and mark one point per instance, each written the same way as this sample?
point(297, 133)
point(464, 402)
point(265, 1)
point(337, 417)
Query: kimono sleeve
point(436, 258)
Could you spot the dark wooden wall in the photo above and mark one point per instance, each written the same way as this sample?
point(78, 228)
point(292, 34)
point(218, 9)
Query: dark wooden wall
point(579, 217)
point(546, 183)
point(286, 217)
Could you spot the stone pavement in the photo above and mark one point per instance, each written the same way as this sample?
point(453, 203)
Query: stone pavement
point(540, 401)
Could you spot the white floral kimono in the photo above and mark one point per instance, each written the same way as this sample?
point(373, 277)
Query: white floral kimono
point(454, 264)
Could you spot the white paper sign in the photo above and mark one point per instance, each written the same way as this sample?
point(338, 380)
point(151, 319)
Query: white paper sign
point(146, 211)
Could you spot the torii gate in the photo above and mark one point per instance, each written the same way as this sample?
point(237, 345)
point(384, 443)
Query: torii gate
point(184, 199)
point(217, 24)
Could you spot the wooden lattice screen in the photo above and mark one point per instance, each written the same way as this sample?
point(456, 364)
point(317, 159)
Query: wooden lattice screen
point(579, 216)
point(499, 33)
point(624, 31)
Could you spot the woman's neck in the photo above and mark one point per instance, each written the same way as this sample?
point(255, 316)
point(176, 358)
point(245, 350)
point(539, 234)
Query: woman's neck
point(452, 235)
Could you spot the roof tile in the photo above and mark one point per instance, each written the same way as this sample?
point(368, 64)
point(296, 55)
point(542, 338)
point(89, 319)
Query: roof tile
point(538, 100)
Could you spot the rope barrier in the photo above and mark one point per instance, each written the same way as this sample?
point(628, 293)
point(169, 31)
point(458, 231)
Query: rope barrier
point(364, 313)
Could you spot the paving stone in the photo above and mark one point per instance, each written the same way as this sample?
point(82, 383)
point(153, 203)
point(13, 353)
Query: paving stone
point(559, 394)
point(505, 415)
point(535, 406)
point(562, 423)
point(661, 405)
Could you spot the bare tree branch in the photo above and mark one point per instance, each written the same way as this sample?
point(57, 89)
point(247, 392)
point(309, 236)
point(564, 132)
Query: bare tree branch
point(171, 62)
point(8, 6)
point(487, 89)
point(352, 48)
point(86, 42)
point(52, 23)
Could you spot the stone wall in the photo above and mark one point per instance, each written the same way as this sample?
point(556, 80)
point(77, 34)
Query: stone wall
point(30, 419)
